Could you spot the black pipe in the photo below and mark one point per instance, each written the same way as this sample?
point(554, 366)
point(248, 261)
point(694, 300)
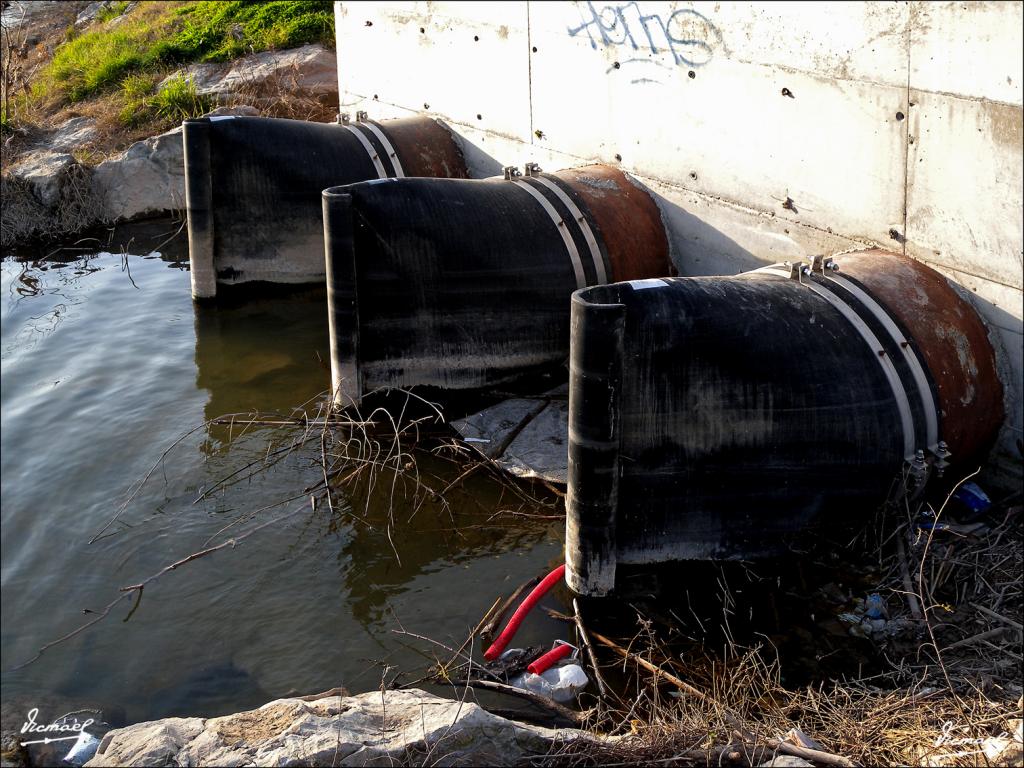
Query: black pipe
point(263, 178)
point(461, 284)
point(748, 407)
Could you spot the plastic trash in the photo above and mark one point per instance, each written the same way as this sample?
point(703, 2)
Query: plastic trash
point(874, 606)
point(82, 751)
point(558, 683)
point(971, 502)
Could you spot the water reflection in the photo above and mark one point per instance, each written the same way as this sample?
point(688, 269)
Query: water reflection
point(106, 363)
point(399, 533)
point(262, 351)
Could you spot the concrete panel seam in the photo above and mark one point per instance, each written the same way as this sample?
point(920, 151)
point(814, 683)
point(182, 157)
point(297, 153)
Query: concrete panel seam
point(529, 68)
point(906, 133)
point(866, 242)
point(963, 97)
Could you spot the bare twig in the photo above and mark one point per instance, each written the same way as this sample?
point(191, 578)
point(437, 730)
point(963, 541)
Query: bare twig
point(908, 587)
point(138, 488)
point(998, 616)
point(137, 588)
point(578, 718)
point(585, 640)
point(732, 719)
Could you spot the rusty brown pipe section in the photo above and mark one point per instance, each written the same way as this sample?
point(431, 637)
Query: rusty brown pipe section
point(626, 219)
point(425, 147)
point(950, 338)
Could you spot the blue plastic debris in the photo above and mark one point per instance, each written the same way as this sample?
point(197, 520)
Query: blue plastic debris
point(874, 606)
point(971, 502)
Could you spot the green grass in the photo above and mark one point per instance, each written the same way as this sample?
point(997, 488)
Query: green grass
point(220, 31)
point(136, 91)
point(99, 59)
point(155, 36)
point(177, 100)
point(112, 11)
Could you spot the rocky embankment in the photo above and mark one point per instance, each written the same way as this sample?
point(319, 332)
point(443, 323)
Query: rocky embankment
point(47, 192)
point(409, 727)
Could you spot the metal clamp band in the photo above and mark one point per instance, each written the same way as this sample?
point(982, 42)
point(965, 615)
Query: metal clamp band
point(381, 173)
point(570, 246)
point(399, 173)
point(931, 415)
point(588, 234)
point(902, 402)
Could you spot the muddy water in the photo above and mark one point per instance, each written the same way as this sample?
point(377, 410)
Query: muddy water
point(106, 363)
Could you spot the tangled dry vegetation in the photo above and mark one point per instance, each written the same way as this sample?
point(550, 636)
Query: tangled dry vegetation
point(77, 207)
point(948, 694)
point(951, 695)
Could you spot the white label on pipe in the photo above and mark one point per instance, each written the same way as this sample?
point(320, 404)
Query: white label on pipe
point(640, 285)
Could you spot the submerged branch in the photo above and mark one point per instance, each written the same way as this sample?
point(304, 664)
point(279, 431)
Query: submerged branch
point(127, 591)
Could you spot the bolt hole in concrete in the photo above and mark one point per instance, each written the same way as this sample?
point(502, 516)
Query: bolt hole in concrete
point(369, 23)
point(616, 65)
point(693, 175)
point(479, 116)
point(534, 49)
point(618, 157)
point(691, 74)
point(422, 31)
point(476, 38)
point(426, 106)
point(788, 93)
point(900, 115)
point(375, 97)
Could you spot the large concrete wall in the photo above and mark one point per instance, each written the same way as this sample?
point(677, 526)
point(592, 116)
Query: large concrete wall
point(769, 131)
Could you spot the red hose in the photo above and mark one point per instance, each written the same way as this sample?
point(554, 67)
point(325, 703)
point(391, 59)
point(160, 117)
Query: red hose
point(545, 662)
point(524, 608)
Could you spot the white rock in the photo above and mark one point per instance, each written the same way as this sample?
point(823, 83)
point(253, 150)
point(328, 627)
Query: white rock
point(43, 170)
point(241, 111)
point(19, 11)
point(779, 761)
point(524, 436)
point(72, 133)
point(88, 13)
point(406, 727)
point(311, 69)
point(155, 743)
point(206, 78)
point(147, 177)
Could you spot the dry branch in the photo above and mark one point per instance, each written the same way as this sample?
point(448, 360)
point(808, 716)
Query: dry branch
point(577, 718)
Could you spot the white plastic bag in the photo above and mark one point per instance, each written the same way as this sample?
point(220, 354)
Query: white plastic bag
point(558, 683)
